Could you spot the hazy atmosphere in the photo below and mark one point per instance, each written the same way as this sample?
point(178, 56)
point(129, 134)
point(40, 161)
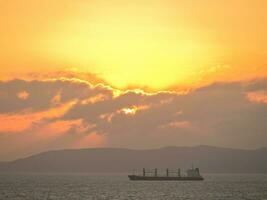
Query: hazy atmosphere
point(133, 99)
point(132, 74)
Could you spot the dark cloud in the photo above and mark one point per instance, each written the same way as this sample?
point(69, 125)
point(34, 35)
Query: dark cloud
point(44, 94)
point(219, 114)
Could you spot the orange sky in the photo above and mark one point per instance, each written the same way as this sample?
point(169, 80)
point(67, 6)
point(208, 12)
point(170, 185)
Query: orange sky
point(105, 73)
point(149, 43)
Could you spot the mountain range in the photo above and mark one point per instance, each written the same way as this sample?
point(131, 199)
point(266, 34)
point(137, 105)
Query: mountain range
point(119, 160)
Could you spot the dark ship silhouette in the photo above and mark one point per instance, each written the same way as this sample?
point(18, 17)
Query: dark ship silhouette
point(171, 175)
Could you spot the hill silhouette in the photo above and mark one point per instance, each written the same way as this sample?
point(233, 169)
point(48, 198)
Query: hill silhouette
point(112, 160)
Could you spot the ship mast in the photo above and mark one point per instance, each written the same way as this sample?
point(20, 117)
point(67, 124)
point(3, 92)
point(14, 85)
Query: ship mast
point(144, 172)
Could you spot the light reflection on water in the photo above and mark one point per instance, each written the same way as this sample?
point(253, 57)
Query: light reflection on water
point(86, 187)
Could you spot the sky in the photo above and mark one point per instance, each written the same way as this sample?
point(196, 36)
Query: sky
point(134, 74)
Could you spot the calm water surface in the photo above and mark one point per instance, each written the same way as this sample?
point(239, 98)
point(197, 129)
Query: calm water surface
point(86, 187)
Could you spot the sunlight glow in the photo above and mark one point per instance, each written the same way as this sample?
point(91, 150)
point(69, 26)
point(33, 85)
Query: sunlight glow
point(133, 109)
point(150, 44)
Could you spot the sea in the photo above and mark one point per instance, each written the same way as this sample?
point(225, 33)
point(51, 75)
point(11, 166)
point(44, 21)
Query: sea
point(118, 187)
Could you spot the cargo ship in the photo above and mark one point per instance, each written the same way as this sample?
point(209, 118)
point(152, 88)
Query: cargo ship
point(170, 175)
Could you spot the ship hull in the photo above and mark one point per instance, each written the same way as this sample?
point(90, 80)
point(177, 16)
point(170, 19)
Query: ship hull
point(163, 178)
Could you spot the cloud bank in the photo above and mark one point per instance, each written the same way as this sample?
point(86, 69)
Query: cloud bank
point(69, 113)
